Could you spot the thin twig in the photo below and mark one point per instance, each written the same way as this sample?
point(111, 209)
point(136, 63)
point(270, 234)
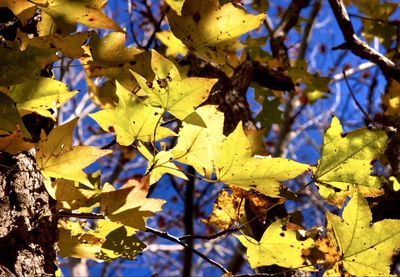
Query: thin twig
point(211, 237)
point(169, 237)
point(366, 116)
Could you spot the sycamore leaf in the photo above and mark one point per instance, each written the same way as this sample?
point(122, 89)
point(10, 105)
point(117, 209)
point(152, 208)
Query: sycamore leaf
point(174, 45)
point(178, 96)
point(18, 66)
point(10, 119)
point(40, 95)
point(129, 205)
point(279, 245)
point(346, 159)
point(228, 208)
point(198, 146)
point(58, 159)
point(176, 5)
point(209, 30)
point(108, 242)
point(237, 166)
point(365, 249)
point(131, 119)
point(160, 164)
point(67, 13)
point(111, 51)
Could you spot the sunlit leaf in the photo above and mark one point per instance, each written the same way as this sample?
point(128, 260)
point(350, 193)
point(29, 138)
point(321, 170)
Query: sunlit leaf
point(178, 96)
point(57, 158)
point(174, 46)
point(132, 119)
point(347, 159)
point(237, 166)
point(129, 205)
point(40, 95)
point(279, 245)
point(199, 146)
point(67, 13)
point(211, 31)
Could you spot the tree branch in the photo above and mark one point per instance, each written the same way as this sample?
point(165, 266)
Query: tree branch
point(169, 237)
point(359, 47)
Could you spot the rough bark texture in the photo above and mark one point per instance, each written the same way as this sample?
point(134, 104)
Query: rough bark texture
point(28, 232)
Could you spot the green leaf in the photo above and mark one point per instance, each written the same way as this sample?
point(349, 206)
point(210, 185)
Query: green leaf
point(346, 159)
point(19, 66)
point(199, 146)
point(365, 249)
point(211, 31)
point(40, 95)
point(279, 245)
point(237, 166)
point(10, 119)
point(67, 13)
point(178, 96)
point(131, 119)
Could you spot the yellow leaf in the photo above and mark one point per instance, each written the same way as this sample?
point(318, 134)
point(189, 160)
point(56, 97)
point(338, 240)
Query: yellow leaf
point(132, 119)
point(279, 245)
point(174, 45)
point(227, 210)
point(58, 159)
point(237, 166)
point(111, 51)
point(67, 13)
point(176, 5)
point(391, 99)
point(365, 249)
point(22, 9)
point(346, 159)
point(40, 95)
point(178, 96)
point(199, 146)
point(160, 164)
point(206, 28)
point(129, 205)
point(14, 143)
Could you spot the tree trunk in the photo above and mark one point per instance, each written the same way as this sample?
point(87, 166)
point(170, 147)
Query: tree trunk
point(28, 231)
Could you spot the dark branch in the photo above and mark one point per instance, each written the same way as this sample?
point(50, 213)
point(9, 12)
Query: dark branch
point(211, 237)
point(359, 47)
point(169, 237)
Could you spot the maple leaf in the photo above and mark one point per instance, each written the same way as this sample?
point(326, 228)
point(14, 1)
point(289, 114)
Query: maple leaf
point(132, 119)
point(199, 146)
point(57, 158)
point(110, 241)
point(211, 31)
point(14, 143)
point(237, 166)
point(279, 245)
point(346, 159)
point(19, 66)
point(111, 51)
point(67, 13)
point(364, 248)
point(129, 205)
point(174, 45)
point(178, 96)
point(40, 95)
point(24, 10)
point(159, 164)
point(176, 5)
